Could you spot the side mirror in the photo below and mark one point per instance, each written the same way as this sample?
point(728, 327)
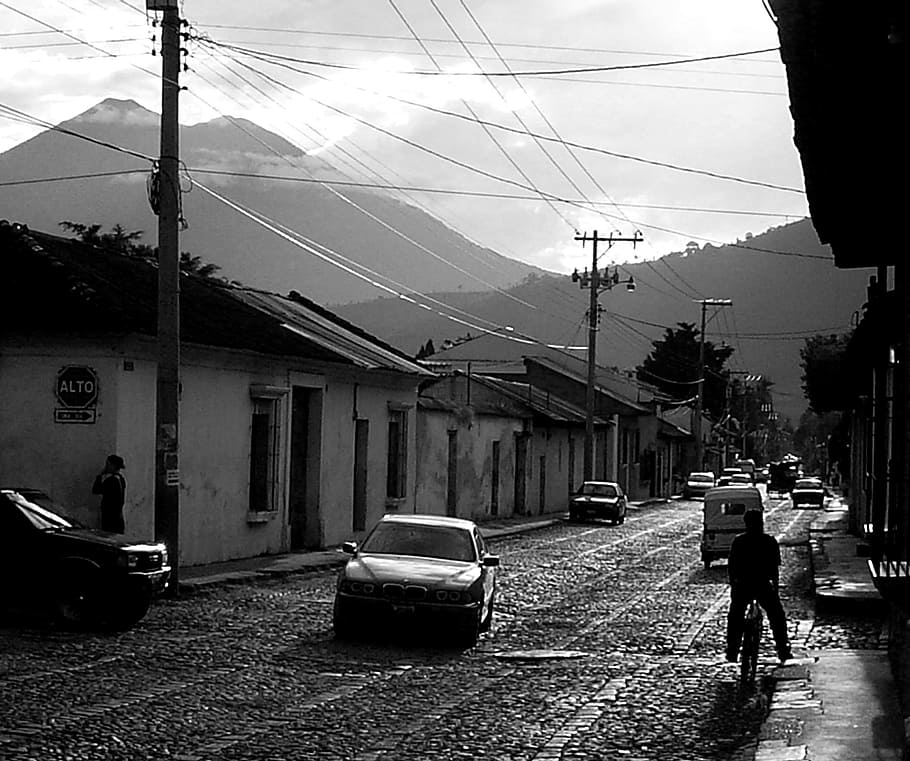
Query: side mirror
point(349, 548)
point(490, 561)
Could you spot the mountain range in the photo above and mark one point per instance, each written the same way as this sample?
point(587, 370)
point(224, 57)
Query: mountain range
point(424, 253)
point(782, 282)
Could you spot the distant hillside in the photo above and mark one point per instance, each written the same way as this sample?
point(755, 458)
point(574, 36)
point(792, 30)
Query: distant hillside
point(244, 250)
point(775, 298)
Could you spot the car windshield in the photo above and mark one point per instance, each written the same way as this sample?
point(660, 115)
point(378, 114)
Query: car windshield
point(598, 490)
point(444, 542)
point(702, 478)
point(808, 483)
point(41, 511)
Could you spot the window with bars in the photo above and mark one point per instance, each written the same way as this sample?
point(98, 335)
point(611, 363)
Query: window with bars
point(397, 472)
point(265, 432)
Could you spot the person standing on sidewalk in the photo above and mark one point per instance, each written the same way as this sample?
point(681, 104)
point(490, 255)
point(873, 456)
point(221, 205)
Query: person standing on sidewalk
point(754, 573)
point(111, 485)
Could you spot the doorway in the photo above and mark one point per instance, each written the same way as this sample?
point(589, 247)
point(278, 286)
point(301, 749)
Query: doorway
point(303, 481)
point(361, 442)
point(521, 473)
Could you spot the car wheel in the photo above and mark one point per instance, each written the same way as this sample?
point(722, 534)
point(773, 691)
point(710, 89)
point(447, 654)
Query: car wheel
point(622, 516)
point(127, 609)
point(341, 620)
point(487, 621)
point(469, 635)
point(76, 598)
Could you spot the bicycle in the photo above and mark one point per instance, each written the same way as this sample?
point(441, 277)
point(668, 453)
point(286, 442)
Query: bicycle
point(752, 631)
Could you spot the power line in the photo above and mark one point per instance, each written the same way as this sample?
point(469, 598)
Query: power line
point(527, 45)
point(529, 73)
point(523, 133)
point(404, 236)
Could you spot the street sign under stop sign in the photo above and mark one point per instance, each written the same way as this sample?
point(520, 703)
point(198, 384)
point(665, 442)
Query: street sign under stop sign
point(77, 387)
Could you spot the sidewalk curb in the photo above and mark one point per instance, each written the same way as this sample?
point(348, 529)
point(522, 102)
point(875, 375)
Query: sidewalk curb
point(294, 564)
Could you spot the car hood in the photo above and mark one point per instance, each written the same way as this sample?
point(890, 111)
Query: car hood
point(100, 539)
point(384, 568)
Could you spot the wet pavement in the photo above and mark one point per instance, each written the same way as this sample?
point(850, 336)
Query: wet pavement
point(607, 643)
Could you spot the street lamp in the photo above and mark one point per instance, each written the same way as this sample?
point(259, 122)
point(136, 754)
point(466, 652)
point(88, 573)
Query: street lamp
point(597, 282)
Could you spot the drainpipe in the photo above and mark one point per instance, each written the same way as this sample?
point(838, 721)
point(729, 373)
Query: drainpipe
point(614, 466)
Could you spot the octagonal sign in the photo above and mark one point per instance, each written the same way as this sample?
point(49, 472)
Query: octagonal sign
point(77, 386)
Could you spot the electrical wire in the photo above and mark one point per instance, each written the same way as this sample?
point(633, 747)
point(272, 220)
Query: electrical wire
point(534, 73)
point(523, 133)
point(473, 113)
point(394, 230)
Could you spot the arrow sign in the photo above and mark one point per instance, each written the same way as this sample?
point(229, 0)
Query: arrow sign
point(74, 416)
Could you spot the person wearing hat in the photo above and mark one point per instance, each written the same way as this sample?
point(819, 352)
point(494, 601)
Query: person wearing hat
point(111, 485)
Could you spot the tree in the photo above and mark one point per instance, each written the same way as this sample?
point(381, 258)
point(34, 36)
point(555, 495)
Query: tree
point(825, 372)
point(427, 350)
point(672, 366)
point(123, 242)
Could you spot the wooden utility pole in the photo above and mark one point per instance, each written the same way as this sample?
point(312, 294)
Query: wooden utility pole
point(699, 402)
point(167, 461)
point(597, 283)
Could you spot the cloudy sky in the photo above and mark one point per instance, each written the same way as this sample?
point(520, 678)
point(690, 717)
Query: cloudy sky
point(394, 92)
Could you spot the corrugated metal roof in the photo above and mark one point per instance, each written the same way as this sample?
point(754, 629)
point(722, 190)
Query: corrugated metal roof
point(96, 292)
point(540, 401)
point(316, 324)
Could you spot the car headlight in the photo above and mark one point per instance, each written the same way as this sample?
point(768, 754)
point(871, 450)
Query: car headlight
point(128, 560)
point(452, 595)
point(367, 588)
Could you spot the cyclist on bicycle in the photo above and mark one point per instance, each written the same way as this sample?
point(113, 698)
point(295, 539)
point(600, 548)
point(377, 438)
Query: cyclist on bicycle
point(753, 569)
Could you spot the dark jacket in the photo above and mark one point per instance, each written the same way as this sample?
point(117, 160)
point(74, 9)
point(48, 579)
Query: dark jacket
point(113, 493)
point(754, 560)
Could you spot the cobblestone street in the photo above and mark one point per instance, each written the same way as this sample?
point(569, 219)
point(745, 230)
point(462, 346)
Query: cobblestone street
point(607, 643)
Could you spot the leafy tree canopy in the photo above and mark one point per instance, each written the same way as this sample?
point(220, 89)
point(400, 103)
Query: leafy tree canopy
point(118, 239)
point(672, 366)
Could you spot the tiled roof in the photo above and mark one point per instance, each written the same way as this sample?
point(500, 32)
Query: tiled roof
point(55, 285)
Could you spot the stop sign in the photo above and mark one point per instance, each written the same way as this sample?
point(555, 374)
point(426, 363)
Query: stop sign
point(77, 386)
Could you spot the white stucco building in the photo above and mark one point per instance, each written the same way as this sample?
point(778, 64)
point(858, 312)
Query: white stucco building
point(297, 429)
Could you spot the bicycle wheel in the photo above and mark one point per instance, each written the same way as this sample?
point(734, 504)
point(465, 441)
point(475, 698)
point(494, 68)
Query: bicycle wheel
point(751, 641)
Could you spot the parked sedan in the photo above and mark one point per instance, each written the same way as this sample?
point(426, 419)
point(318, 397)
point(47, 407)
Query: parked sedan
point(808, 491)
point(599, 499)
point(83, 576)
point(697, 484)
point(414, 569)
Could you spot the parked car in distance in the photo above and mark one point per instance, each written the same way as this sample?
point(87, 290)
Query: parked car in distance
point(598, 499)
point(741, 479)
point(417, 569)
point(726, 475)
point(761, 475)
point(697, 484)
point(82, 576)
point(808, 491)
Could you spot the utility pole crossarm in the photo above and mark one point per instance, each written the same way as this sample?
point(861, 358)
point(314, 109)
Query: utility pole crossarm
point(597, 283)
point(699, 404)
